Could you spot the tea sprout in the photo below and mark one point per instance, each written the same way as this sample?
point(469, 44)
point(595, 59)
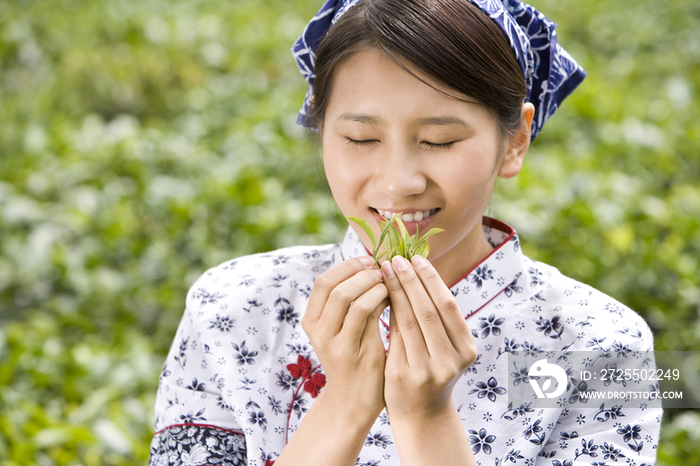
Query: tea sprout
point(396, 241)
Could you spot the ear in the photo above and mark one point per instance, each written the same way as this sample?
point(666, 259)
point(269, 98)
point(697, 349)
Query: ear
point(518, 144)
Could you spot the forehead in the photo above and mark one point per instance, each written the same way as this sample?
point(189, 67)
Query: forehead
point(370, 83)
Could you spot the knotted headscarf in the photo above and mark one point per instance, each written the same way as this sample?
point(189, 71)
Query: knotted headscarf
point(550, 72)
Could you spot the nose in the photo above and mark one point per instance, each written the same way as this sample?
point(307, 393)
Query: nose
point(401, 174)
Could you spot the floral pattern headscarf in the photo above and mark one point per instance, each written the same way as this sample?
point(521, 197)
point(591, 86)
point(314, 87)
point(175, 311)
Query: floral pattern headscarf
point(550, 72)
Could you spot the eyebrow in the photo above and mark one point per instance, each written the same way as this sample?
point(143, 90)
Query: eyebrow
point(430, 121)
point(361, 118)
point(442, 121)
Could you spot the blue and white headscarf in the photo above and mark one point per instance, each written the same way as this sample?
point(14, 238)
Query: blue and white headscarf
point(550, 72)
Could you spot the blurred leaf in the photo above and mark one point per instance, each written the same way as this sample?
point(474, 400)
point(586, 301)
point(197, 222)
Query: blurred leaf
point(144, 142)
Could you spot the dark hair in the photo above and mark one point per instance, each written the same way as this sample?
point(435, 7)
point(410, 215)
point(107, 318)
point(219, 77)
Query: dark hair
point(451, 41)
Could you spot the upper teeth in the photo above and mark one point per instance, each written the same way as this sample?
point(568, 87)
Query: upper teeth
point(414, 217)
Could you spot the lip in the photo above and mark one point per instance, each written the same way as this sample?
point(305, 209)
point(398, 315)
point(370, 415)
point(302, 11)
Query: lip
point(421, 225)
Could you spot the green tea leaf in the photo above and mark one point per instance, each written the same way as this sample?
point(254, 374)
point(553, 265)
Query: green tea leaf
point(421, 249)
point(396, 240)
point(431, 233)
point(386, 229)
point(392, 240)
point(402, 227)
point(400, 250)
point(365, 226)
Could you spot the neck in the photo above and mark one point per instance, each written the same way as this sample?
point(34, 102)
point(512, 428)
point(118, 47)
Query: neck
point(460, 260)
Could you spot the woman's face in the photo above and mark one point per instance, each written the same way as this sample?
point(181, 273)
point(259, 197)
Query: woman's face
point(392, 143)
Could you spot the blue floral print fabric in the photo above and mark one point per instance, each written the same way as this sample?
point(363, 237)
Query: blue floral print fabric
point(550, 72)
point(241, 373)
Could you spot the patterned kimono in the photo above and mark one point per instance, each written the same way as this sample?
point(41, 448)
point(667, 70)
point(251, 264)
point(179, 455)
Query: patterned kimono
point(241, 373)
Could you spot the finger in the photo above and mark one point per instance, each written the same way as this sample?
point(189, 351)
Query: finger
point(405, 320)
point(371, 330)
point(397, 350)
point(424, 309)
point(359, 316)
point(327, 281)
point(342, 296)
point(451, 315)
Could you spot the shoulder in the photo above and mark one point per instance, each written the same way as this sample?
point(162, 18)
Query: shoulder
point(591, 319)
point(307, 260)
point(254, 278)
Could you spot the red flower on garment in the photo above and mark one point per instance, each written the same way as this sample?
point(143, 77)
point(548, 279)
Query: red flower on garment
point(312, 382)
point(301, 369)
point(270, 462)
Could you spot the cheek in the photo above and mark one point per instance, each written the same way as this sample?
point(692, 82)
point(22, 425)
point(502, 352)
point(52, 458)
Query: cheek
point(468, 190)
point(332, 164)
point(468, 178)
point(341, 177)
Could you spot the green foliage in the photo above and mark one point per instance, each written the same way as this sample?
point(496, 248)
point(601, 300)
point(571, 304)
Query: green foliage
point(142, 142)
point(396, 240)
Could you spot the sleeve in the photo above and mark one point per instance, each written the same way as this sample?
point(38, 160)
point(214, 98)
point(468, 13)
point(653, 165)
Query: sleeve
point(193, 423)
point(609, 430)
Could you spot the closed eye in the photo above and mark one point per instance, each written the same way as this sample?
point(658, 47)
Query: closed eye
point(368, 142)
point(439, 146)
point(361, 143)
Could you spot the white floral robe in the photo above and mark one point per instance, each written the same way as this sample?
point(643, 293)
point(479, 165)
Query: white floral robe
point(241, 373)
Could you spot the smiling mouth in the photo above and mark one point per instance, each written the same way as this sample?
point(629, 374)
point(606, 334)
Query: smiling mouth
point(408, 217)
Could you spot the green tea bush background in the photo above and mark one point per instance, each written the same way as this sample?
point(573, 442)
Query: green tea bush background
point(144, 141)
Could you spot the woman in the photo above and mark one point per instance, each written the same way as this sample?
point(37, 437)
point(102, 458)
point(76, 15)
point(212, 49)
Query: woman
point(287, 357)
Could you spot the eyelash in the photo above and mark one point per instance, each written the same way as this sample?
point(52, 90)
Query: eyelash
point(364, 143)
point(443, 146)
point(368, 142)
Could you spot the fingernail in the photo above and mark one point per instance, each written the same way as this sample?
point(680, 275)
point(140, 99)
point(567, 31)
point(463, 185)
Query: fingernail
point(419, 262)
point(367, 260)
point(388, 271)
point(399, 263)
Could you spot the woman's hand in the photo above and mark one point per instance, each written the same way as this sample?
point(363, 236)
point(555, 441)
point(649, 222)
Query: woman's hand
point(430, 347)
point(430, 344)
point(341, 321)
